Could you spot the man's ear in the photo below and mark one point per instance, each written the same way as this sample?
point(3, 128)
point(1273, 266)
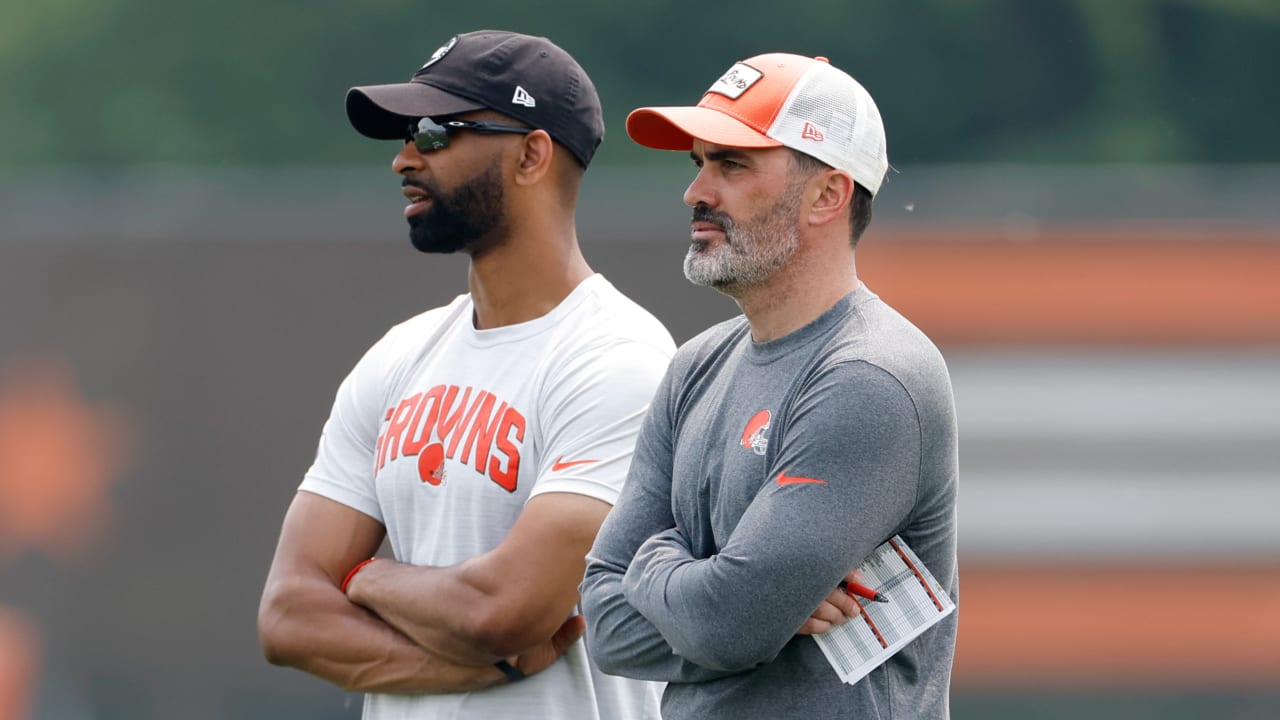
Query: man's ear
point(832, 192)
point(534, 163)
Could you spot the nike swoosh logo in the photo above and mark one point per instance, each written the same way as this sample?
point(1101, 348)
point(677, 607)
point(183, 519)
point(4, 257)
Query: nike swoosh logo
point(785, 479)
point(560, 464)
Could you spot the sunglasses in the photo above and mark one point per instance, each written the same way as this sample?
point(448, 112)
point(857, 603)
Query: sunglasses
point(429, 135)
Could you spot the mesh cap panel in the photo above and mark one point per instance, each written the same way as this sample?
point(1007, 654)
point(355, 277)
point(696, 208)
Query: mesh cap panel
point(831, 117)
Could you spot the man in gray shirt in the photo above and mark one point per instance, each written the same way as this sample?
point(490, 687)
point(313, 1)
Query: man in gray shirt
point(783, 445)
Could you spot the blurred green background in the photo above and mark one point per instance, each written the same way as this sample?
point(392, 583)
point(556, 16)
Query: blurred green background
point(237, 82)
point(195, 247)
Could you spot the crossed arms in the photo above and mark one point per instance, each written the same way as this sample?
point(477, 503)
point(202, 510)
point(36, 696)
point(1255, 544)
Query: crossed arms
point(405, 628)
point(658, 610)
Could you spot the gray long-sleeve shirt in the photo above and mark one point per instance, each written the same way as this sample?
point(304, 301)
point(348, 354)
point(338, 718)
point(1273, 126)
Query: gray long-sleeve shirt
point(763, 473)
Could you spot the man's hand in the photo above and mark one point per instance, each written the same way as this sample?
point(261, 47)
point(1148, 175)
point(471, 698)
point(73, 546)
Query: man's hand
point(835, 610)
point(540, 656)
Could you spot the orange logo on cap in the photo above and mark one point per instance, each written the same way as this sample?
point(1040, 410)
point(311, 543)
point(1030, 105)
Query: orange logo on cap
point(811, 132)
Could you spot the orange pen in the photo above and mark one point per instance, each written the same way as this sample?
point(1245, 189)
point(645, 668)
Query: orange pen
point(862, 591)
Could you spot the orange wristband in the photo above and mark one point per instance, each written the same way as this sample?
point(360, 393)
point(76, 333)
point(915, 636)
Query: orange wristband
point(347, 580)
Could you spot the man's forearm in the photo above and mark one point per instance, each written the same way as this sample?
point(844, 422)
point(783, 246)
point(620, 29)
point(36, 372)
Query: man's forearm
point(403, 667)
point(624, 642)
point(700, 608)
point(431, 606)
point(326, 635)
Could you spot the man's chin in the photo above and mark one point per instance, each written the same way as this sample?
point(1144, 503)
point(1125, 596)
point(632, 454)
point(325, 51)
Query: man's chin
point(699, 274)
point(426, 241)
point(434, 248)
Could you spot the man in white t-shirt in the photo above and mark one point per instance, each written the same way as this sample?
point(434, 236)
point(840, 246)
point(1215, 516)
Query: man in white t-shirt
point(485, 440)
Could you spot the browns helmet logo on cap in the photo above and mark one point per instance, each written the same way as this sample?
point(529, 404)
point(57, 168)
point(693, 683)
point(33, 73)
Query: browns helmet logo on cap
point(439, 53)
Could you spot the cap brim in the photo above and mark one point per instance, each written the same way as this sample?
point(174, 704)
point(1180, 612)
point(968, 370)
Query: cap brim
point(675, 128)
point(380, 111)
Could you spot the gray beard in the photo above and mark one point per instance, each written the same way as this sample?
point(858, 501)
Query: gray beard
point(752, 251)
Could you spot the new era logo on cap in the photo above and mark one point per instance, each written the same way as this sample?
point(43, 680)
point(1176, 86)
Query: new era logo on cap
point(778, 100)
point(522, 97)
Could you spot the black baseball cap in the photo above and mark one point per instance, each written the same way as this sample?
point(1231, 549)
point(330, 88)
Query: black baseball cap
point(528, 78)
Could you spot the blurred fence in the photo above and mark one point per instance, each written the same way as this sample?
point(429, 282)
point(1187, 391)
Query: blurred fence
point(170, 341)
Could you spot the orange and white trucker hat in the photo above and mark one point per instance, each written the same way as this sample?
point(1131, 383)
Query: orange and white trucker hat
point(776, 100)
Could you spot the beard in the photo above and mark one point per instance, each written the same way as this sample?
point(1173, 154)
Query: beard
point(464, 219)
point(752, 249)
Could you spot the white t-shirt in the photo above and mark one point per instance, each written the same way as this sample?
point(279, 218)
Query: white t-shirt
point(443, 432)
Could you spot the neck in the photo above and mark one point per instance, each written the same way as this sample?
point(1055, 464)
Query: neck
point(527, 275)
point(796, 295)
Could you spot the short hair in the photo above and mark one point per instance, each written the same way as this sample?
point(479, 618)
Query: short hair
point(859, 206)
point(572, 169)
